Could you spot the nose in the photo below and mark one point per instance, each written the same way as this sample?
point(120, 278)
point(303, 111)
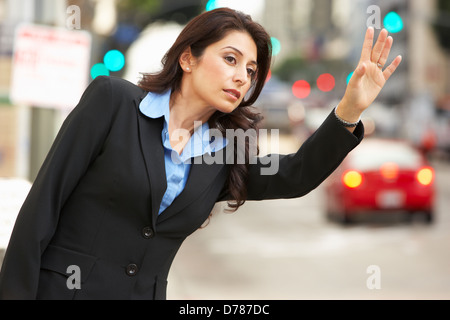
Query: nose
point(241, 76)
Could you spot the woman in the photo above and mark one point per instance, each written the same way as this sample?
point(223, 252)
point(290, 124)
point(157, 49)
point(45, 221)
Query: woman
point(121, 188)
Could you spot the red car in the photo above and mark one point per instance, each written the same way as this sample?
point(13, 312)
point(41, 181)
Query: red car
point(381, 175)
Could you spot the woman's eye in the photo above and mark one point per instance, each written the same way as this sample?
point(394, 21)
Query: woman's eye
point(251, 72)
point(231, 59)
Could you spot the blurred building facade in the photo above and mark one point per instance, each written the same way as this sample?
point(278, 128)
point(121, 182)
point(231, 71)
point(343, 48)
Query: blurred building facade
point(26, 132)
point(334, 30)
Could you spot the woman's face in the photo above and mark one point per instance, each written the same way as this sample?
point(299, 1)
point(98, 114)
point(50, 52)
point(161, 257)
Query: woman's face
point(221, 77)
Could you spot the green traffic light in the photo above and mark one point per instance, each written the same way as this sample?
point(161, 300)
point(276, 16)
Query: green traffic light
point(211, 5)
point(349, 77)
point(99, 69)
point(114, 60)
point(393, 22)
point(276, 46)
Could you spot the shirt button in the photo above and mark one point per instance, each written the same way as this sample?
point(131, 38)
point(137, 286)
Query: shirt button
point(131, 269)
point(147, 232)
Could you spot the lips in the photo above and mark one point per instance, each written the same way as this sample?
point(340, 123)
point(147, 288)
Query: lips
point(233, 93)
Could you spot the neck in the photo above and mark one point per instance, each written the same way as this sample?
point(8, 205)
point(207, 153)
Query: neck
point(185, 110)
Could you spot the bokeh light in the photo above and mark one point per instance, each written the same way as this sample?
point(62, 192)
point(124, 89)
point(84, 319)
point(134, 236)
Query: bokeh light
point(352, 179)
point(276, 46)
point(269, 75)
point(326, 82)
point(393, 22)
point(425, 176)
point(252, 7)
point(211, 5)
point(99, 69)
point(301, 89)
point(114, 60)
point(349, 77)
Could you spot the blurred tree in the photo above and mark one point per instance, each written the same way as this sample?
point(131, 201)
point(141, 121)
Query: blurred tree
point(144, 6)
point(294, 68)
point(143, 12)
point(289, 68)
point(138, 12)
point(442, 23)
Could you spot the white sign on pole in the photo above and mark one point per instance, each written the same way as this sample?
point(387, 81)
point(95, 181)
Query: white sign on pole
point(50, 66)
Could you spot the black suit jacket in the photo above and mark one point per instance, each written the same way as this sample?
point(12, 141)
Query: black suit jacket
point(94, 203)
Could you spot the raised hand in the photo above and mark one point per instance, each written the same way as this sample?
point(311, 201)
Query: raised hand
point(369, 77)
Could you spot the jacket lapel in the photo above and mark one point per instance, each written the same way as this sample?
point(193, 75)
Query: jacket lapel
point(153, 152)
point(203, 171)
point(202, 174)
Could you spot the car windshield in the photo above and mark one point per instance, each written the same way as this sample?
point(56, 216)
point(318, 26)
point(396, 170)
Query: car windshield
point(372, 156)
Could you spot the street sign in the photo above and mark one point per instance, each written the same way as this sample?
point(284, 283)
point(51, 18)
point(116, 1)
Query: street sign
point(50, 66)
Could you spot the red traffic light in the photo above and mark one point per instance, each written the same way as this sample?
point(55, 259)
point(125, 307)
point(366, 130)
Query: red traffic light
point(301, 89)
point(325, 82)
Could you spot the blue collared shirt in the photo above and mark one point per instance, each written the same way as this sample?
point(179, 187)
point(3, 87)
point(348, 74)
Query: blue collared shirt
point(177, 165)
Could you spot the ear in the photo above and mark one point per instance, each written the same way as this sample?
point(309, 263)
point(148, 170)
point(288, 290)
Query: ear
point(187, 60)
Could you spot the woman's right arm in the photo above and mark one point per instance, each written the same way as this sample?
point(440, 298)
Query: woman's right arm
point(78, 142)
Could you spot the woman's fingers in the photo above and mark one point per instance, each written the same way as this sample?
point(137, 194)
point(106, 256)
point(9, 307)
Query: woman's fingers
point(379, 46)
point(392, 67)
point(379, 52)
point(367, 45)
point(360, 71)
point(386, 50)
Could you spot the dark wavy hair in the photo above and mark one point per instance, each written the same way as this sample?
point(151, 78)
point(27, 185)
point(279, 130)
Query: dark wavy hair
point(202, 31)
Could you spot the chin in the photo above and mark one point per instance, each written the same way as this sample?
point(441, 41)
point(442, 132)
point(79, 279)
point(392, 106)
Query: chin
point(226, 110)
point(228, 107)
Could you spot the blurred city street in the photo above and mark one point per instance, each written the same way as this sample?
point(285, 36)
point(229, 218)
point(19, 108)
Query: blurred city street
point(287, 249)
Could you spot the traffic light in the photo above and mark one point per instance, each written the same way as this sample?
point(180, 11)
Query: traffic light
point(114, 60)
point(301, 89)
point(99, 69)
point(325, 82)
point(276, 46)
point(393, 22)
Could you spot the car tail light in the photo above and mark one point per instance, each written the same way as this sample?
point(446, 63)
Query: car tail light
point(425, 176)
point(389, 170)
point(352, 179)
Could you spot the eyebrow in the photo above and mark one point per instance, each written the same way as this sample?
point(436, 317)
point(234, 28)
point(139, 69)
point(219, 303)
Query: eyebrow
point(240, 53)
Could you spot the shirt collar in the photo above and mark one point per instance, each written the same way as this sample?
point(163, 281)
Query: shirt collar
point(156, 105)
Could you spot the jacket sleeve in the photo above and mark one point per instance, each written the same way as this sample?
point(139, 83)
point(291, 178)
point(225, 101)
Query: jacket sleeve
point(289, 176)
point(79, 140)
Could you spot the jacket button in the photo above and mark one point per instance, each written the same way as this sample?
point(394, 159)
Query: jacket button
point(147, 233)
point(131, 269)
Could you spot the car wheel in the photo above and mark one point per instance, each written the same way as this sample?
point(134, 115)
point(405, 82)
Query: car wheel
point(429, 216)
point(346, 218)
point(329, 215)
